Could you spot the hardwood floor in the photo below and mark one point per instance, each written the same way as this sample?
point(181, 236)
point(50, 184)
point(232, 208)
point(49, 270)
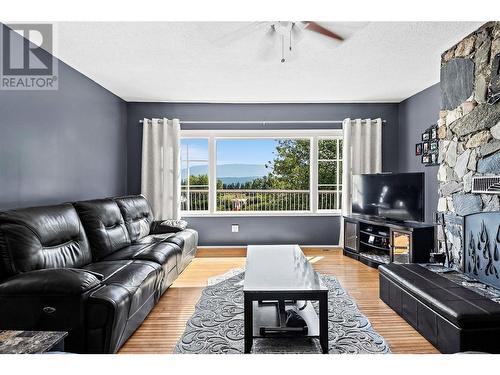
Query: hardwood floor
point(164, 325)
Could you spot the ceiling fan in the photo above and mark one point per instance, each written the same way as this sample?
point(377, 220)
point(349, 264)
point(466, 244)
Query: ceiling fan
point(290, 30)
point(288, 33)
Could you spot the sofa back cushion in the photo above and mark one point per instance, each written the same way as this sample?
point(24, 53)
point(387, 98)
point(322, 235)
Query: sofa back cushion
point(137, 214)
point(42, 237)
point(104, 225)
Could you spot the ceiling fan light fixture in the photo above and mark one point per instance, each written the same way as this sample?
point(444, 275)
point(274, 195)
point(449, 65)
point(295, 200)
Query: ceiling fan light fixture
point(292, 30)
point(282, 27)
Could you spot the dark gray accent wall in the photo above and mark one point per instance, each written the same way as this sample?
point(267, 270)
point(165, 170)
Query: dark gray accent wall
point(216, 231)
point(265, 230)
point(415, 115)
point(62, 145)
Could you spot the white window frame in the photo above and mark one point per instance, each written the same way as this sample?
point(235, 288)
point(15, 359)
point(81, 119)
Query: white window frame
point(197, 212)
point(214, 135)
point(338, 159)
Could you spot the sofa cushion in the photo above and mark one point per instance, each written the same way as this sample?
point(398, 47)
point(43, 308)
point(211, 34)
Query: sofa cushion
point(140, 278)
point(461, 306)
point(137, 214)
point(107, 268)
point(42, 237)
point(186, 240)
point(162, 253)
point(104, 225)
point(131, 275)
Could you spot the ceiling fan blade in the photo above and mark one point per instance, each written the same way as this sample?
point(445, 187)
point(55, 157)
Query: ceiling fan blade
point(317, 28)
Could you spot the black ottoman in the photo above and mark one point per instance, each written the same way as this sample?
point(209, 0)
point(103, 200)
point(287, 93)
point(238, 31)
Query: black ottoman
point(453, 318)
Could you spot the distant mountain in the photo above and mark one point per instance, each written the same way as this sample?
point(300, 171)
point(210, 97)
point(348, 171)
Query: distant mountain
point(230, 171)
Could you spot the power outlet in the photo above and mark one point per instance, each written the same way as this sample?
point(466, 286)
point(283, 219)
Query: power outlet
point(235, 228)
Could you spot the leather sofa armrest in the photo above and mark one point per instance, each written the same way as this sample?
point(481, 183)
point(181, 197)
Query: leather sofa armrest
point(53, 281)
point(165, 226)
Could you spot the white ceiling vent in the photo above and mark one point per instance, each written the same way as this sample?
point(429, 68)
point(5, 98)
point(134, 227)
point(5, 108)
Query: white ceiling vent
point(487, 185)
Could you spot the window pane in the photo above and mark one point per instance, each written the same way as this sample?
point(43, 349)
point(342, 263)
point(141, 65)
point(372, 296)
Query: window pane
point(263, 174)
point(327, 200)
point(327, 149)
point(243, 163)
point(194, 174)
point(194, 149)
point(327, 172)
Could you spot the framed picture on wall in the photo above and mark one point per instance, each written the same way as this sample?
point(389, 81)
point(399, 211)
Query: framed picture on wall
point(433, 132)
point(418, 149)
point(426, 159)
point(434, 146)
point(434, 158)
point(425, 147)
point(425, 136)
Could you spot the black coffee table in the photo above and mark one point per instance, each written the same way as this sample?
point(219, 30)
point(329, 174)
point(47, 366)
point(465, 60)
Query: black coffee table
point(275, 276)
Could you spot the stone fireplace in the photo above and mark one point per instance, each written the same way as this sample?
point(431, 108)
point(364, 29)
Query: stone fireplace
point(469, 131)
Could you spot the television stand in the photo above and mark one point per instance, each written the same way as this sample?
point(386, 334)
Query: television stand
point(375, 241)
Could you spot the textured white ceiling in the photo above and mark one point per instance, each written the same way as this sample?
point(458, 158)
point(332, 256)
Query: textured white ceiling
point(237, 62)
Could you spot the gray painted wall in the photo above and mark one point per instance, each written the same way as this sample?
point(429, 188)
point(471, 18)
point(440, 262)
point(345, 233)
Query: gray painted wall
point(62, 145)
point(415, 115)
point(265, 230)
point(307, 230)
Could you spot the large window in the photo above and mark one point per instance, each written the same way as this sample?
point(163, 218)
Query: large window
point(252, 172)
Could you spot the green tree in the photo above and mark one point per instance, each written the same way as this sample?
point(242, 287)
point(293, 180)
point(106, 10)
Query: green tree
point(198, 180)
point(290, 167)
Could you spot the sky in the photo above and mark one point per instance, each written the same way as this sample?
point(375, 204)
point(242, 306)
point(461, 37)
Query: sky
point(234, 151)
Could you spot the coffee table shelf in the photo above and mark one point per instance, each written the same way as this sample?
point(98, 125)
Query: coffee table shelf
point(266, 315)
point(282, 273)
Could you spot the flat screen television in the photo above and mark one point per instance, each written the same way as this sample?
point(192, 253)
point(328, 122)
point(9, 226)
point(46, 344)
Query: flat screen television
point(398, 196)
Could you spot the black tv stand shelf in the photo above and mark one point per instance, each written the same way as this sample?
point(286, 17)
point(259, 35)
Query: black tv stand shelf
point(374, 241)
point(375, 234)
point(382, 248)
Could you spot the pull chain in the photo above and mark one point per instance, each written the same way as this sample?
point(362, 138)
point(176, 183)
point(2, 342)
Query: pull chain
point(282, 48)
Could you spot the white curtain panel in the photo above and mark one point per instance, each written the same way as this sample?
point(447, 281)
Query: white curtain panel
point(160, 175)
point(362, 153)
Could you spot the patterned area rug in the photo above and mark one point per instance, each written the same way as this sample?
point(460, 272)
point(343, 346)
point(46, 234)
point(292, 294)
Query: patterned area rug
point(216, 327)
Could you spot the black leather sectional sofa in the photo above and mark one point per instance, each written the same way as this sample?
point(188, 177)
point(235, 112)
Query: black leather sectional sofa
point(92, 268)
point(452, 317)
